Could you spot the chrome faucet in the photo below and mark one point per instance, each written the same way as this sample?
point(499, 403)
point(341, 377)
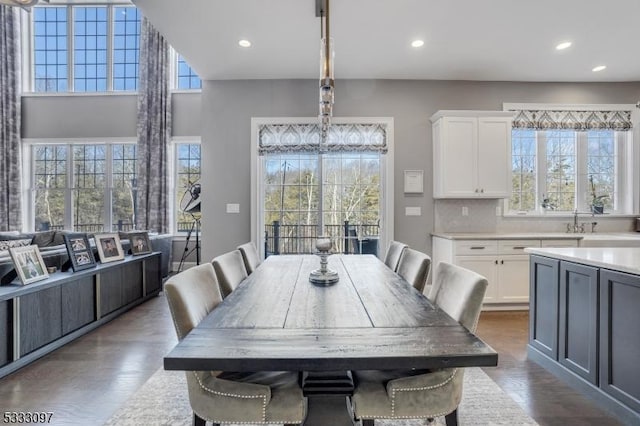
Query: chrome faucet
point(579, 227)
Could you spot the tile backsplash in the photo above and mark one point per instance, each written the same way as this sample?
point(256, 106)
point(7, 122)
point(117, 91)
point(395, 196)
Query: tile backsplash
point(482, 217)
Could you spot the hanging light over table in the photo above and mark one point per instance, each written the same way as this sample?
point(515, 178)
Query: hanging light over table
point(327, 54)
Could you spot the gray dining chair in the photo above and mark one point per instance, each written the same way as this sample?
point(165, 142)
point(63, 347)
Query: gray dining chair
point(250, 256)
point(413, 394)
point(230, 271)
point(277, 398)
point(414, 267)
point(394, 253)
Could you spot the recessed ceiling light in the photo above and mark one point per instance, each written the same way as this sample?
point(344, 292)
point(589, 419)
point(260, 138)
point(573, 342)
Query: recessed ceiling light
point(563, 45)
point(599, 68)
point(417, 43)
point(244, 43)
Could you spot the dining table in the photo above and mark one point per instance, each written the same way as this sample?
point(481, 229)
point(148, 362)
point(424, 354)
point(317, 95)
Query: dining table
point(371, 319)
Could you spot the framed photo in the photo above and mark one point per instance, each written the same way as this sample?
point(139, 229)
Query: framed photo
point(28, 263)
point(109, 247)
point(140, 243)
point(80, 252)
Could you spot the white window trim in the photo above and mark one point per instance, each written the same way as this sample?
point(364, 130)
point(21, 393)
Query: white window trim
point(387, 163)
point(632, 173)
point(28, 183)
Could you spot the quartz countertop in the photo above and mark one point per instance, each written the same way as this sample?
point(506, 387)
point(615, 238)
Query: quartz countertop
point(624, 259)
point(509, 236)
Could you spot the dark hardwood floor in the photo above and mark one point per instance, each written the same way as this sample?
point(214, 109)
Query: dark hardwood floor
point(86, 381)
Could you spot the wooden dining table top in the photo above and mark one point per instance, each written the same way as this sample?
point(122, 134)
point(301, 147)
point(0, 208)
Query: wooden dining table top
point(370, 319)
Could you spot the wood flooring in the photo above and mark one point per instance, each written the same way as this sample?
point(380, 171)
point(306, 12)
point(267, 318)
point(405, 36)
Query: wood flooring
point(86, 381)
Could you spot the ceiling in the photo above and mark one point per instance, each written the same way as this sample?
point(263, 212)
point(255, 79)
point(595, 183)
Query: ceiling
point(490, 40)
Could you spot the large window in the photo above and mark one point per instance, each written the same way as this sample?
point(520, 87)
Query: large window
point(306, 190)
point(565, 170)
point(84, 187)
point(104, 45)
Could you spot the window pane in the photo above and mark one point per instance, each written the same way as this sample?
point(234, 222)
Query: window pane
point(188, 173)
point(601, 168)
point(126, 33)
point(523, 194)
point(50, 49)
point(90, 33)
point(50, 181)
point(124, 183)
point(89, 187)
point(187, 78)
point(561, 168)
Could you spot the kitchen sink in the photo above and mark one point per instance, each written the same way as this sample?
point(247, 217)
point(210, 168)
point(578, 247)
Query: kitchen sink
point(622, 239)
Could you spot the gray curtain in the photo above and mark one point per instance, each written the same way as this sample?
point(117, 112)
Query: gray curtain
point(10, 158)
point(154, 131)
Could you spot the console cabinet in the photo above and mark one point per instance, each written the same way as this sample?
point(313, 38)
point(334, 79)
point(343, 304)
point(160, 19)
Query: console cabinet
point(52, 312)
point(471, 154)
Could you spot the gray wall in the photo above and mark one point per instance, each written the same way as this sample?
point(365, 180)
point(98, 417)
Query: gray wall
point(228, 106)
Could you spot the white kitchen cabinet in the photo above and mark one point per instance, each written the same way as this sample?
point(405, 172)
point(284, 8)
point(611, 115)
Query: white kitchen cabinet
point(472, 154)
point(501, 260)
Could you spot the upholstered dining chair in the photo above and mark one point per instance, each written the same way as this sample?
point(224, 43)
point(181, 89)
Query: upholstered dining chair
point(230, 271)
point(414, 267)
point(415, 395)
point(394, 253)
point(250, 256)
point(277, 398)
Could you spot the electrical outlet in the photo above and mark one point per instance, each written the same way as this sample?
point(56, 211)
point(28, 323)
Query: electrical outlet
point(233, 208)
point(465, 211)
point(498, 211)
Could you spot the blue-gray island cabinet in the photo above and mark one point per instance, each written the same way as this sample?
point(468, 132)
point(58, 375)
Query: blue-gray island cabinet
point(584, 323)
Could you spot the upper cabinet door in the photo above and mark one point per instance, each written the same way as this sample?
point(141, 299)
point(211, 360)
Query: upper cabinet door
point(471, 154)
point(457, 168)
point(494, 157)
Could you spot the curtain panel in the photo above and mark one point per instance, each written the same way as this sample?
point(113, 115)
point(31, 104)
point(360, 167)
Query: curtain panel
point(572, 120)
point(154, 131)
point(290, 138)
point(10, 116)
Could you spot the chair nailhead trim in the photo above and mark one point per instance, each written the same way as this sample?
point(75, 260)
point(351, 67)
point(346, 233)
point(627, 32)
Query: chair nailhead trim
point(264, 397)
point(393, 396)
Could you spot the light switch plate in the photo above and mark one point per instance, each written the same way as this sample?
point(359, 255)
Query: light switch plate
point(233, 208)
point(413, 211)
point(465, 211)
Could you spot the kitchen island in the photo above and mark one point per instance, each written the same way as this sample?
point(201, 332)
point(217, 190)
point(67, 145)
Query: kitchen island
point(585, 322)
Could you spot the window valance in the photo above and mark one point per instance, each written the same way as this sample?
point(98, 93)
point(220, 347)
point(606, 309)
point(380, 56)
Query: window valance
point(275, 138)
point(572, 120)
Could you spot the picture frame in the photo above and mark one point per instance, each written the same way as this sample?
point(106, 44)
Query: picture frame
point(28, 264)
point(109, 247)
point(139, 242)
point(80, 252)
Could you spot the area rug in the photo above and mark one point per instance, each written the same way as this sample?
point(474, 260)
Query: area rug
point(163, 400)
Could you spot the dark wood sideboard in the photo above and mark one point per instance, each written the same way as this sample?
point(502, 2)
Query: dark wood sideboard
point(38, 318)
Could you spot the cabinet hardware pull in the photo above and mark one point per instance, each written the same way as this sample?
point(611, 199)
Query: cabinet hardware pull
point(476, 189)
point(519, 248)
point(502, 262)
point(482, 190)
point(496, 262)
point(477, 247)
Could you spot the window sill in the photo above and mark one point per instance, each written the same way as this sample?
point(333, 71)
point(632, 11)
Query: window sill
point(565, 215)
point(74, 94)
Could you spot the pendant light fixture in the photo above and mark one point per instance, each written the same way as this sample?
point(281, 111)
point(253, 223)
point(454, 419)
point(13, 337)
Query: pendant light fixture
point(327, 55)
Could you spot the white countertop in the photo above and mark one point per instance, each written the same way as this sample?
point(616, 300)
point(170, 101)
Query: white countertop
point(514, 236)
point(624, 259)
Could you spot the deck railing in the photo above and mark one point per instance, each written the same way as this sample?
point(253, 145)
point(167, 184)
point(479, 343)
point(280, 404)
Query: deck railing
point(347, 238)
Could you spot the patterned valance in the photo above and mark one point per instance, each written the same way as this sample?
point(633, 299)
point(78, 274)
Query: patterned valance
point(275, 138)
point(572, 120)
